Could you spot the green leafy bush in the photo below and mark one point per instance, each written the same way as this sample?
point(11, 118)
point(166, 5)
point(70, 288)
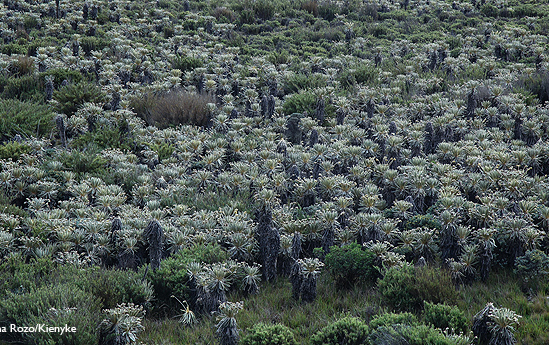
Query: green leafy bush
point(13, 150)
point(301, 81)
point(83, 163)
point(351, 264)
point(186, 63)
point(60, 74)
point(171, 278)
point(70, 97)
point(24, 88)
point(102, 138)
point(299, 103)
point(362, 74)
point(24, 118)
point(405, 288)
point(54, 305)
point(532, 267)
point(263, 334)
point(173, 108)
point(347, 331)
point(389, 319)
point(412, 335)
point(444, 316)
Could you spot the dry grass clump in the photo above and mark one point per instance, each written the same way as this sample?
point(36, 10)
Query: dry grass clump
point(173, 108)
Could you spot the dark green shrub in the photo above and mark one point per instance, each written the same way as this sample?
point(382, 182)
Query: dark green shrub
point(347, 331)
point(444, 316)
point(113, 287)
point(60, 74)
point(423, 220)
point(171, 278)
point(103, 138)
point(173, 108)
point(362, 74)
point(24, 88)
point(164, 150)
point(411, 335)
point(83, 163)
point(262, 334)
point(264, 9)
point(389, 319)
point(13, 150)
point(89, 43)
point(351, 264)
point(532, 267)
point(186, 63)
point(72, 96)
point(406, 288)
point(55, 305)
point(300, 102)
point(24, 118)
point(300, 81)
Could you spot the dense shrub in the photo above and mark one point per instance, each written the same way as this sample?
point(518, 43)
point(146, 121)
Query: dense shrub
point(300, 102)
point(71, 96)
point(300, 81)
point(532, 267)
point(410, 335)
point(173, 108)
point(361, 75)
point(262, 334)
point(60, 74)
point(24, 118)
point(444, 316)
point(54, 305)
point(24, 88)
point(389, 319)
point(350, 264)
point(405, 288)
point(171, 278)
point(83, 163)
point(347, 331)
point(13, 150)
point(186, 63)
point(102, 138)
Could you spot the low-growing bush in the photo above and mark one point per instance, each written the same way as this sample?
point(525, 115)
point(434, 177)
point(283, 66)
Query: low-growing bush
point(83, 163)
point(405, 288)
point(59, 305)
point(186, 63)
point(173, 108)
point(444, 316)
point(24, 118)
point(24, 88)
point(389, 319)
point(532, 267)
point(70, 97)
point(351, 264)
point(263, 334)
point(347, 331)
point(13, 150)
point(172, 279)
point(412, 335)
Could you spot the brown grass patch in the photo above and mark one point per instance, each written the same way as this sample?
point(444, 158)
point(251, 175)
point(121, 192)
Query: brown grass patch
point(173, 108)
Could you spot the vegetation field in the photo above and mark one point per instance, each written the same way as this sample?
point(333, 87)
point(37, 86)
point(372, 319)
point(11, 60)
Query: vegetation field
point(274, 172)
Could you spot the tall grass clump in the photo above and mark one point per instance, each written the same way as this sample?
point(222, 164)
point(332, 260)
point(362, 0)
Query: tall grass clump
point(173, 108)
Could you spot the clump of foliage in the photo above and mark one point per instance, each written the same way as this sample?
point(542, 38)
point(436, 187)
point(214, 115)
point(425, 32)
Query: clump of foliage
point(13, 150)
point(532, 267)
point(263, 334)
point(347, 331)
point(351, 264)
point(444, 316)
point(405, 288)
point(73, 95)
point(186, 63)
point(171, 278)
point(25, 118)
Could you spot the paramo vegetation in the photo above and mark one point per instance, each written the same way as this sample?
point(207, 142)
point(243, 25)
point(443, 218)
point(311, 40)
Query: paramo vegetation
point(275, 172)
